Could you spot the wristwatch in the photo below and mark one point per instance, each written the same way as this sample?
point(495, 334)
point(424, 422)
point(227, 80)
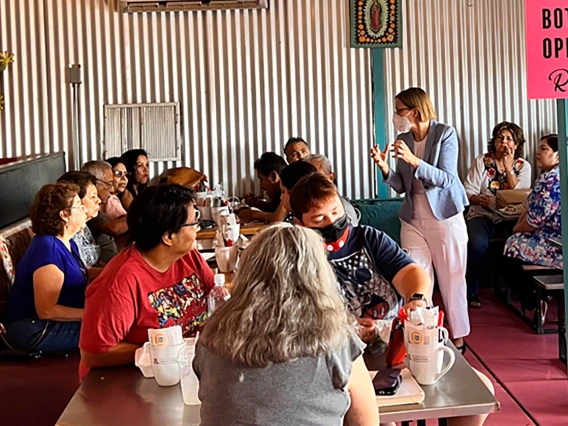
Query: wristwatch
point(417, 296)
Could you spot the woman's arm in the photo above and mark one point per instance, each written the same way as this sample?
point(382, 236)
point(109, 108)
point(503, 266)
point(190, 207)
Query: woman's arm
point(250, 215)
point(363, 410)
point(474, 180)
point(445, 173)
point(121, 354)
point(94, 272)
point(47, 282)
point(126, 199)
point(543, 203)
point(522, 225)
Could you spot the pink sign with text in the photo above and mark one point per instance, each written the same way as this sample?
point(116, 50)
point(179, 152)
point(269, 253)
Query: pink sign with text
point(547, 48)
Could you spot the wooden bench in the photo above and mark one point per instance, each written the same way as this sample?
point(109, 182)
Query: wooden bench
point(554, 285)
point(536, 323)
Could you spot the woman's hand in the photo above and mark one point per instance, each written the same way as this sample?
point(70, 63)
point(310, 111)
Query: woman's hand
point(380, 158)
point(483, 200)
point(402, 152)
point(366, 330)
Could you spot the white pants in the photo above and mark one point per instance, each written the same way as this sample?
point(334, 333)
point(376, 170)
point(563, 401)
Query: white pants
point(442, 245)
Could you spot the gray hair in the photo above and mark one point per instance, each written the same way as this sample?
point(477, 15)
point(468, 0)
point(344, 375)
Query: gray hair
point(320, 162)
point(96, 168)
point(285, 303)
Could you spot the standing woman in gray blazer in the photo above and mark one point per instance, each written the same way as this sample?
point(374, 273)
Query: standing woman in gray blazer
point(433, 226)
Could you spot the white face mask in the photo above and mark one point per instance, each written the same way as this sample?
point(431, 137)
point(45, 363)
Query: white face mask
point(402, 124)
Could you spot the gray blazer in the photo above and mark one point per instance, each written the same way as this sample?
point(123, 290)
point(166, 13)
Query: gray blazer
point(438, 171)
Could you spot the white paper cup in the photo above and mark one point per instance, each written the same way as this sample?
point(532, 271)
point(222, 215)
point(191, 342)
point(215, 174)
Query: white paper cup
point(204, 212)
point(217, 212)
point(164, 363)
point(226, 258)
point(162, 337)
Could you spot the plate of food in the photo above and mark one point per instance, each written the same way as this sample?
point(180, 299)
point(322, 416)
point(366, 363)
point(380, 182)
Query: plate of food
point(512, 210)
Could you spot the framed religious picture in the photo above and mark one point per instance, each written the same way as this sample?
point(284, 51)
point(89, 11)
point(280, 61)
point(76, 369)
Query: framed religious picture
point(375, 23)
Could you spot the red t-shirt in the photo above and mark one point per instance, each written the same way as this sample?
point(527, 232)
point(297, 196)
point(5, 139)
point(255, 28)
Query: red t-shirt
point(130, 296)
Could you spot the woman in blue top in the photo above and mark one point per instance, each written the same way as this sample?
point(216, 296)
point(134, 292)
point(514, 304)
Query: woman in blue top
point(47, 300)
point(433, 226)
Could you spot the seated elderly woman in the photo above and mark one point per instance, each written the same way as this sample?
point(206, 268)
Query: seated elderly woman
point(159, 281)
point(89, 250)
point(540, 222)
point(113, 207)
point(47, 300)
point(502, 167)
point(286, 331)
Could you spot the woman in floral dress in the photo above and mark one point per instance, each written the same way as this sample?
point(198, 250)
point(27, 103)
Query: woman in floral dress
point(502, 167)
point(540, 222)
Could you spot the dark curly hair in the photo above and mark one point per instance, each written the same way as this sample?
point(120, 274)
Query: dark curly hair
point(48, 203)
point(81, 179)
point(518, 137)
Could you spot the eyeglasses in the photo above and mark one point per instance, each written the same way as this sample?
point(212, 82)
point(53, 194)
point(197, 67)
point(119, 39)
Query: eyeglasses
point(398, 111)
point(109, 185)
point(81, 207)
point(121, 173)
point(197, 217)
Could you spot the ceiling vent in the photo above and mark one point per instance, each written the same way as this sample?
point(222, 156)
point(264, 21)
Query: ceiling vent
point(137, 6)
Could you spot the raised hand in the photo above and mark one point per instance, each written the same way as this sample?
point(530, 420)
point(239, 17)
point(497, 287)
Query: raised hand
point(403, 152)
point(381, 158)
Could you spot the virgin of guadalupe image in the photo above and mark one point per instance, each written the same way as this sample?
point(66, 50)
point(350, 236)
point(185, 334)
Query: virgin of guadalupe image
point(375, 21)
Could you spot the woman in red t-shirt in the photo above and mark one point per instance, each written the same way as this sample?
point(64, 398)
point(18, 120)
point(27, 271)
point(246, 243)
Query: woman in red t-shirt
point(159, 281)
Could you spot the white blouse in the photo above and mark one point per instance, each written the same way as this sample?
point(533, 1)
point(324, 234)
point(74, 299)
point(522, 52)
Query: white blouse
point(480, 180)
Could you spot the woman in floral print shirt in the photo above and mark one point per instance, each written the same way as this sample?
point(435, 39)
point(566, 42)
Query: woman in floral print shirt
point(536, 226)
point(541, 220)
point(502, 167)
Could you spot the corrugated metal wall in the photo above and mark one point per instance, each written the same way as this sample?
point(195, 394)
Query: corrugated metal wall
point(246, 81)
point(469, 55)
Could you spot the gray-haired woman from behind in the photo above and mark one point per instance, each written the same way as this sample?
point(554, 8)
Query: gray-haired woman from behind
point(282, 350)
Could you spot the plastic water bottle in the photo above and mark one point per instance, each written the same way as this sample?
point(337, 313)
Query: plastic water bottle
point(218, 294)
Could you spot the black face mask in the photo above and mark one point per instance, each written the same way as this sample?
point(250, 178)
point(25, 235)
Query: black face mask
point(332, 233)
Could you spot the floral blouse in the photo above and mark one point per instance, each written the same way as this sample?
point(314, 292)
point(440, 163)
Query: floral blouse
point(544, 214)
point(497, 181)
point(483, 178)
point(89, 250)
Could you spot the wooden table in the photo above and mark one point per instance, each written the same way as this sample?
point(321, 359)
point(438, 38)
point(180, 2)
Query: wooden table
point(122, 396)
point(248, 230)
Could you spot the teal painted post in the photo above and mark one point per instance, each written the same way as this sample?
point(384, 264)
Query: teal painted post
point(563, 153)
point(379, 107)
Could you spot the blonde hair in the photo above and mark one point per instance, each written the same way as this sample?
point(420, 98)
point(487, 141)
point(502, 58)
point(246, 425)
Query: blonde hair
point(285, 302)
point(417, 98)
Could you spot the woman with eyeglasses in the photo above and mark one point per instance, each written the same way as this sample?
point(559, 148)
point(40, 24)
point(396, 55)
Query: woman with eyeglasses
point(89, 250)
point(136, 161)
point(159, 281)
point(47, 300)
point(433, 226)
point(114, 207)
